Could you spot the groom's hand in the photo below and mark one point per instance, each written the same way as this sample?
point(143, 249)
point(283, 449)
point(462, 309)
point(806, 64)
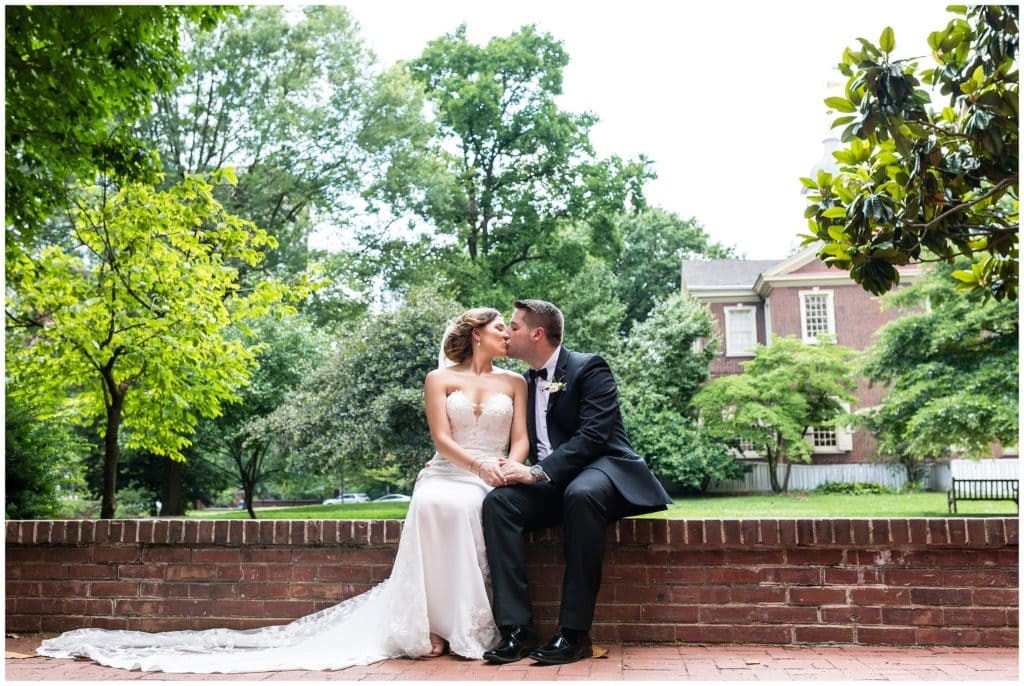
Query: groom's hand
point(515, 472)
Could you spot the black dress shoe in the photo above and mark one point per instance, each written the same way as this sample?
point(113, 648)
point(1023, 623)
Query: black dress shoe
point(516, 643)
point(564, 647)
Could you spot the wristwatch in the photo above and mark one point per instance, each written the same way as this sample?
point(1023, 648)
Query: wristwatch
point(537, 472)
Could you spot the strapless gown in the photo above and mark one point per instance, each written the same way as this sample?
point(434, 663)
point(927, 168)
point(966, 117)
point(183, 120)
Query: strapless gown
point(439, 583)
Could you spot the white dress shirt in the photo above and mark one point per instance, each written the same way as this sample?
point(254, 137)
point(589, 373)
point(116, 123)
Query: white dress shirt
point(541, 406)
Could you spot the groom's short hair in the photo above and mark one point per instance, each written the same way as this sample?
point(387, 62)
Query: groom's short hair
point(544, 314)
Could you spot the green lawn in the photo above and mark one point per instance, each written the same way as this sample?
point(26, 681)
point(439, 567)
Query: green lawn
point(786, 506)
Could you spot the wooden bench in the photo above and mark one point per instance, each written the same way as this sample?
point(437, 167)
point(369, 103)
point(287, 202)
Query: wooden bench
point(983, 489)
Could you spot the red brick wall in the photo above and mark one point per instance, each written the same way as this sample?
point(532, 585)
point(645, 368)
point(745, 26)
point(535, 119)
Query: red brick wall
point(882, 581)
point(722, 365)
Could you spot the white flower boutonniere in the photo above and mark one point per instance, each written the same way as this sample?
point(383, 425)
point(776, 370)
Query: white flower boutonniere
point(555, 387)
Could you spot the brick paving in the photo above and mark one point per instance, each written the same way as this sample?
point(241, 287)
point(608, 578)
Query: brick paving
point(623, 662)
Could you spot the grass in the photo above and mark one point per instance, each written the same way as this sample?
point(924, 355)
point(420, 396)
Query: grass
point(785, 506)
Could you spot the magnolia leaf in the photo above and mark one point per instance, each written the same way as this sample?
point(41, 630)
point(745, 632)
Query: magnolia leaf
point(840, 104)
point(967, 277)
point(834, 213)
point(887, 41)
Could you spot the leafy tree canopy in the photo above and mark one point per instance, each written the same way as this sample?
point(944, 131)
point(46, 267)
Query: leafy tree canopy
point(952, 369)
point(76, 78)
point(923, 184)
point(515, 166)
point(130, 325)
point(788, 388)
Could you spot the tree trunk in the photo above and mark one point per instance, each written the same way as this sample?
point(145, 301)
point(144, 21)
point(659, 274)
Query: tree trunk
point(773, 474)
point(248, 490)
point(110, 452)
point(785, 480)
point(171, 494)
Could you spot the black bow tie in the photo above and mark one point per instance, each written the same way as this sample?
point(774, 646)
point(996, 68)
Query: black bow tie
point(542, 373)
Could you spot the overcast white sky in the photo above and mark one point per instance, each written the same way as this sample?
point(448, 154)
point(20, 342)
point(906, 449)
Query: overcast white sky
point(725, 97)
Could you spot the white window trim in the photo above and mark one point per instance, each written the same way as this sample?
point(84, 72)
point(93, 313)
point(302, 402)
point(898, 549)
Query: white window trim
point(844, 439)
point(730, 351)
point(831, 299)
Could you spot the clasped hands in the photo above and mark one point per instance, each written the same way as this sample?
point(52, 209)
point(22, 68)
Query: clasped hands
point(504, 472)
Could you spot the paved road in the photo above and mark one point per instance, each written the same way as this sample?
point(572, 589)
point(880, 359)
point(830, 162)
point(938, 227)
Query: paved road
point(621, 663)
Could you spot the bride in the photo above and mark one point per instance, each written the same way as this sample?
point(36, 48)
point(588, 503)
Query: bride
point(437, 597)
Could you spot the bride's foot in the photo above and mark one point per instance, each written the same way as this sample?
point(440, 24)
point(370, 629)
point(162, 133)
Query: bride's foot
point(438, 646)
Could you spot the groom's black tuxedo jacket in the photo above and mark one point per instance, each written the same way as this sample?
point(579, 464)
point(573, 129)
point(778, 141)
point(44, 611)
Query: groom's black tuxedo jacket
point(586, 432)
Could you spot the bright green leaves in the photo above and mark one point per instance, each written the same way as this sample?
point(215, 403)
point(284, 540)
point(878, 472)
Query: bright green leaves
point(887, 41)
point(788, 387)
point(922, 185)
point(951, 367)
point(142, 312)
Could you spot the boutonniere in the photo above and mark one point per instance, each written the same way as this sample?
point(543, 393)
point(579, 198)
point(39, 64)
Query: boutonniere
point(555, 387)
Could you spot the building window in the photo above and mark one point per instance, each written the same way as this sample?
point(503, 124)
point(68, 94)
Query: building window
point(817, 315)
point(740, 330)
point(824, 438)
point(748, 449)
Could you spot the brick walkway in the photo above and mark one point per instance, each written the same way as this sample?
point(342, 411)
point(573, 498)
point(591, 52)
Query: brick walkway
point(622, 663)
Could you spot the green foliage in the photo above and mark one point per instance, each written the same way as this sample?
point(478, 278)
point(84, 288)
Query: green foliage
point(854, 488)
point(952, 370)
point(660, 370)
point(292, 100)
point(363, 410)
point(515, 167)
point(130, 325)
point(918, 184)
point(76, 79)
point(653, 245)
point(42, 459)
point(289, 352)
point(788, 388)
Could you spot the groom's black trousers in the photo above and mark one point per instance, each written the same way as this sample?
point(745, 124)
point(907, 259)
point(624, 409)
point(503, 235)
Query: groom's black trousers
point(585, 507)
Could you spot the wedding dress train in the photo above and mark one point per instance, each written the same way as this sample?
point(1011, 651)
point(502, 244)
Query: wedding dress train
point(439, 583)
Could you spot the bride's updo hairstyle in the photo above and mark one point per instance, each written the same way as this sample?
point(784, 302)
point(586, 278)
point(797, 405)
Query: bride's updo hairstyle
point(458, 344)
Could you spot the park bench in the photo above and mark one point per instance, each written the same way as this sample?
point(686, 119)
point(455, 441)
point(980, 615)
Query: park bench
point(983, 489)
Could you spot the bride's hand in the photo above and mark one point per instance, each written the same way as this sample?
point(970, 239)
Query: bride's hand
point(491, 474)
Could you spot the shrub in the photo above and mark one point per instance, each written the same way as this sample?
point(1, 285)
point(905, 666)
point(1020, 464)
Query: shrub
point(854, 488)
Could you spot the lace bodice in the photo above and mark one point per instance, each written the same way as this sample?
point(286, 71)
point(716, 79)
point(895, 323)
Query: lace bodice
point(483, 430)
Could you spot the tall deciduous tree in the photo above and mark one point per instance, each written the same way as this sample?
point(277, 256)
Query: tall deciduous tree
point(290, 349)
point(660, 370)
point(952, 370)
point(363, 410)
point(76, 79)
point(787, 389)
point(293, 101)
point(654, 243)
point(516, 165)
point(922, 184)
point(130, 325)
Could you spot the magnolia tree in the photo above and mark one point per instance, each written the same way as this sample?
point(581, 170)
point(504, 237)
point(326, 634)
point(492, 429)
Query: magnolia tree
point(786, 390)
point(921, 183)
point(129, 327)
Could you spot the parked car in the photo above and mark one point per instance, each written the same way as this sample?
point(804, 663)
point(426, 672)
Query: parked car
point(393, 498)
point(347, 498)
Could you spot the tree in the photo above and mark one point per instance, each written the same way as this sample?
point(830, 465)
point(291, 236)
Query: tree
point(292, 100)
point(130, 325)
point(42, 459)
point(654, 243)
point(515, 165)
point(788, 388)
point(661, 369)
point(76, 79)
point(363, 410)
point(290, 349)
point(918, 184)
point(952, 371)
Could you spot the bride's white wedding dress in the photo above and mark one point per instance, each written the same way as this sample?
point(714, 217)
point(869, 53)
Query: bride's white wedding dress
point(439, 583)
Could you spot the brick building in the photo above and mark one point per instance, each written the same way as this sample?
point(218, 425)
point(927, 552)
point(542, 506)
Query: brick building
point(755, 300)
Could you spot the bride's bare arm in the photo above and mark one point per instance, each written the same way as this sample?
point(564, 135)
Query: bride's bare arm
point(441, 432)
point(519, 445)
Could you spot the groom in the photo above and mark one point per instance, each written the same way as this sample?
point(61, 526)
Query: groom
point(584, 475)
